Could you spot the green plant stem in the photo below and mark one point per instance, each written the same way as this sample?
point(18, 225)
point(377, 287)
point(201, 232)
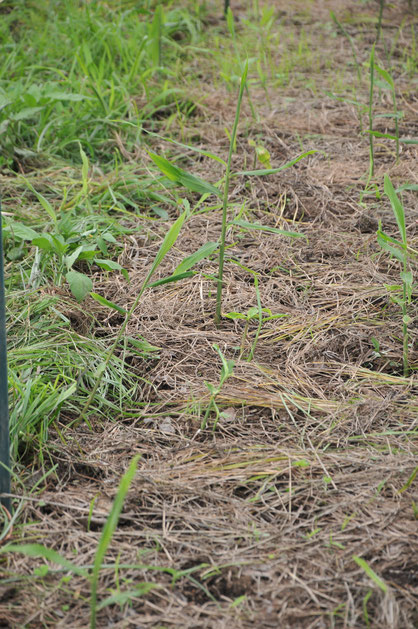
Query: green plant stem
point(225, 198)
point(260, 319)
point(404, 319)
point(379, 20)
point(371, 151)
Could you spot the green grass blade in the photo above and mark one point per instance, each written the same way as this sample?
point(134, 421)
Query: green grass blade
point(44, 202)
point(38, 550)
point(105, 302)
point(107, 534)
point(272, 171)
point(203, 252)
point(396, 206)
point(171, 278)
point(266, 228)
point(371, 573)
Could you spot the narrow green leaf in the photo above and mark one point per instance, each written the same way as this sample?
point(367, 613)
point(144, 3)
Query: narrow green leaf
point(168, 242)
point(371, 573)
point(38, 550)
point(266, 228)
point(120, 598)
point(409, 481)
point(408, 186)
point(385, 75)
point(181, 177)
point(105, 302)
point(63, 96)
point(396, 207)
point(386, 246)
point(80, 284)
point(44, 202)
point(378, 134)
point(273, 171)
point(108, 531)
point(203, 252)
point(84, 170)
point(171, 278)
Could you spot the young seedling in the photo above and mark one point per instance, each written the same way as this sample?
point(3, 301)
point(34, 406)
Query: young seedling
point(399, 249)
point(226, 372)
point(90, 573)
point(225, 198)
point(195, 184)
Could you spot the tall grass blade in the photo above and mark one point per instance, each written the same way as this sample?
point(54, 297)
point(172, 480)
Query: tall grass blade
point(107, 534)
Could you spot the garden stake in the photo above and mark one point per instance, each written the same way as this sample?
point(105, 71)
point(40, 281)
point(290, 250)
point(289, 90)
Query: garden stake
point(4, 404)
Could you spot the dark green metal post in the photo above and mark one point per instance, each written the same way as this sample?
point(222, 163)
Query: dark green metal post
point(4, 402)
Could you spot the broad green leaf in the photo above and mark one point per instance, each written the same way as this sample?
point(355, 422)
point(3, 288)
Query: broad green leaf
point(108, 237)
point(38, 550)
point(263, 156)
point(69, 260)
point(43, 243)
point(108, 265)
point(266, 228)
point(59, 243)
point(396, 207)
point(105, 302)
point(407, 277)
point(80, 284)
point(371, 573)
point(88, 254)
point(273, 171)
point(182, 178)
point(21, 231)
point(203, 252)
